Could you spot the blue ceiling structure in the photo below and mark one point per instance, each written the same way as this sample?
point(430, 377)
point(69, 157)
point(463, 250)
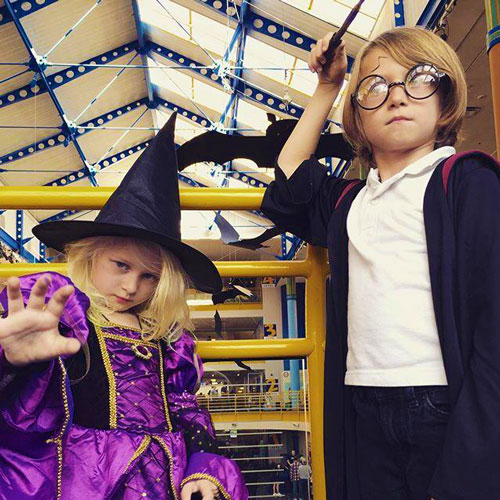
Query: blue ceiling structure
point(45, 80)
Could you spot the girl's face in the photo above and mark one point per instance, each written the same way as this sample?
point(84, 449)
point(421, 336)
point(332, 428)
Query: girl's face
point(416, 123)
point(119, 273)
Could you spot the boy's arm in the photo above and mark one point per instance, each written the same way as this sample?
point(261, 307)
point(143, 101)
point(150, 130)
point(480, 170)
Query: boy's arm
point(304, 138)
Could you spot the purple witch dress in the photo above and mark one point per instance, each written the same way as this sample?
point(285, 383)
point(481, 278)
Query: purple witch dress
point(127, 428)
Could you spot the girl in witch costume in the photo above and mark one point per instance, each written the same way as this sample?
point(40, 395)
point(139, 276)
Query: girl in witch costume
point(98, 374)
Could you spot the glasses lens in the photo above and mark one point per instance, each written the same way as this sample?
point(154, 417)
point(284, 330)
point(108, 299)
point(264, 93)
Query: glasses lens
point(422, 81)
point(372, 92)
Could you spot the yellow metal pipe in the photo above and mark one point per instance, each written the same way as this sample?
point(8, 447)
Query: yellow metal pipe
point(233, 269)
point(316, 333)
point(93, 198)
point(254, 349)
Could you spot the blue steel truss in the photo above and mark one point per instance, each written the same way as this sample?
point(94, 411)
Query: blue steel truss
point(35, 61)
point(267, 27)
point(246, 90)
point(23, 8)
point(432, 13)
point(62, 138)
point(38, 86)
point(399, 12)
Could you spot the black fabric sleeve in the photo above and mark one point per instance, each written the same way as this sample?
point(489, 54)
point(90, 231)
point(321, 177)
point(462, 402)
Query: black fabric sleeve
point(304, 203)
point(468, 466)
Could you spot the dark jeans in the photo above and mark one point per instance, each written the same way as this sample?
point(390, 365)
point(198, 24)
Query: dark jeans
point(304, 489)
point(400, 434)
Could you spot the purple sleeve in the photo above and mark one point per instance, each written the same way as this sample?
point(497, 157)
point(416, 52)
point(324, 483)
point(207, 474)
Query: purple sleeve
point(183, 372)
point(36, 398)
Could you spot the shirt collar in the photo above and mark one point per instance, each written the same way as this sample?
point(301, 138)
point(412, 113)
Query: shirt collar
point(429, 161)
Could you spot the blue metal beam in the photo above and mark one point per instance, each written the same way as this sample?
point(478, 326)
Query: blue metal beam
point(62, 138)
point(39, 65)
point(12, 243)
point(142, 50)
point(269, 28)
point(432, 13)
point(110, 160)
point(399, 13)
point(23, 8)
point(62, 77)
point(195, 118)
point(246, 90)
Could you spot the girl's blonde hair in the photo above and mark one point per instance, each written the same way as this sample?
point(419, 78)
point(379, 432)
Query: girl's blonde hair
point(408, 47)
point(165, 315)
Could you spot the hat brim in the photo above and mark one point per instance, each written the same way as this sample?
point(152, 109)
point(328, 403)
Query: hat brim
point(200, 269)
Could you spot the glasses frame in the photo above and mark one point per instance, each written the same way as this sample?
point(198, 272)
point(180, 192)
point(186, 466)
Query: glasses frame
point(441, 75)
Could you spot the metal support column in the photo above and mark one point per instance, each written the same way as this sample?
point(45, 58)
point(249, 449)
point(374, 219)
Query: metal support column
point(493, 45)
point(291, 307)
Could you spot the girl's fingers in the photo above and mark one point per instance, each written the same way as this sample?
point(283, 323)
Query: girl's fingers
point(187, 490)
point(207, 492)
point(14, 295)
point(58, 301)
point(38, 292)
point(66, 347)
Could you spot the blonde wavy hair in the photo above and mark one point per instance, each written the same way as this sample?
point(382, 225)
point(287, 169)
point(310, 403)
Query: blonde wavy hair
point(408, 47)
point(165, 315)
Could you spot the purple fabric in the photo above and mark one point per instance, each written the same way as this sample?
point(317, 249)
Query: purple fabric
point(105, 463)
point(223, 470)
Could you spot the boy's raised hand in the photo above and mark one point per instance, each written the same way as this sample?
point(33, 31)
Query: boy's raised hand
point(30, 334)
point(333, 74)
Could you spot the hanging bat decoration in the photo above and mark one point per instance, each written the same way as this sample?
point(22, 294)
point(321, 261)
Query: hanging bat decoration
point(220, 148)
point(233, 292)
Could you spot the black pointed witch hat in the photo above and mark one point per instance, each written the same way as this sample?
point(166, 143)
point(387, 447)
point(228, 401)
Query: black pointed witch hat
point(145, 205)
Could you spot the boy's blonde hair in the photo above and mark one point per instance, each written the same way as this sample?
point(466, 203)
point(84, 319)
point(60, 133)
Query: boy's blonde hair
point(408, 47)
point(165, 315)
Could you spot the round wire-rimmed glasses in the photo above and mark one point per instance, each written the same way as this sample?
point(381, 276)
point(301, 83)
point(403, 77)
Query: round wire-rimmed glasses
point(421, 82)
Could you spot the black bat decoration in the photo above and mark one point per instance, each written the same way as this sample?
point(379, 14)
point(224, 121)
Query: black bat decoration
point(218, 324)
point(256, 243)
point(243, 365)
point(231, 293)
point(263, 150)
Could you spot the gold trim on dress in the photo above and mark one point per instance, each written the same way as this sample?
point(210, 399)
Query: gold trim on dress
point(162, 388)
point(140, 450)
point(141, 355)
point(210, 478)
point(165, 448)
point(129, 340)
point(58, 439)
point(110, 375)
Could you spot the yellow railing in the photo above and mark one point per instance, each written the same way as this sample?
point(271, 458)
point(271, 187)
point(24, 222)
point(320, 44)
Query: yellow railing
point(314, 268)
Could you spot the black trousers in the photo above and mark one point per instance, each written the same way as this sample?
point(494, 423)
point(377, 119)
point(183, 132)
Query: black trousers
point(400, 434)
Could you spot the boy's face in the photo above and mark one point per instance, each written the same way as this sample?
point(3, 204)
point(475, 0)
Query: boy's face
point(418, 124)
point(118, 273)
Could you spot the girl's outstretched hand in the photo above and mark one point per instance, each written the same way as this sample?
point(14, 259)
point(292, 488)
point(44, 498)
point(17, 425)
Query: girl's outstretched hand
point(30, 334)
point(206, 488)
point(334, 74)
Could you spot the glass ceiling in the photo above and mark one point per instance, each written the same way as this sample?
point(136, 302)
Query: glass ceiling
point(267, 67)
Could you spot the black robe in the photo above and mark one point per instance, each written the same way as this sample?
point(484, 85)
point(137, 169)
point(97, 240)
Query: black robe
point(463, 242)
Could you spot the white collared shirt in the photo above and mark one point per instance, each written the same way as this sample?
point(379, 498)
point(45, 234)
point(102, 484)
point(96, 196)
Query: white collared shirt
point(392, 333)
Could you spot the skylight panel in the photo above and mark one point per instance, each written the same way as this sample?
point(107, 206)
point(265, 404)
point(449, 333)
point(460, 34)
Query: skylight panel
point(176, 81)
point(168, 16)
point(261, 55)
point(210, 34)
point(250, 115)
point(336, 13)
point(208, 95)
